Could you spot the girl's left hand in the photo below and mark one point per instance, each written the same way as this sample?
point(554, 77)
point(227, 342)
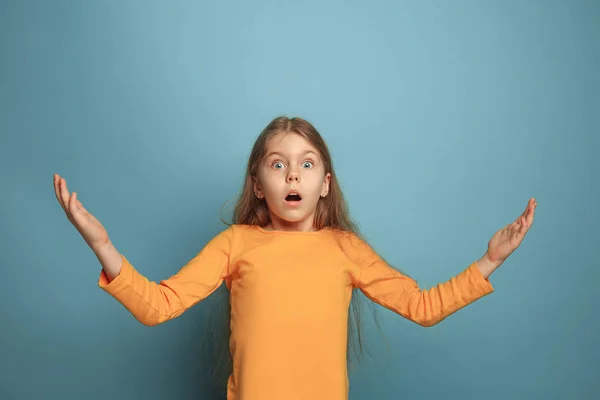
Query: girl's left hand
point(507, 239)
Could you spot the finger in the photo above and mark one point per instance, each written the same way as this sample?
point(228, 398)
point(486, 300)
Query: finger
point(85, 213)
point(61, 193)
point(531, 202)
point(510, 230)
point(529, 216)
point(80, 207)
point(73, 208)
point(528, 208)
point(64, 194)
point(57, 190)
point(64, 198)
point(519, 230)
point(526, 227)
point(520, 217)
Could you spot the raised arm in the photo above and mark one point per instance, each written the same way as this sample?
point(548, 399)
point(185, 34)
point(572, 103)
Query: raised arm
point(150, 303)
point(398, 292)
point(153, 303)
point(426, 307)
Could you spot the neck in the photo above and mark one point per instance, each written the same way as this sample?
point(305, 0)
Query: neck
point(278, 224)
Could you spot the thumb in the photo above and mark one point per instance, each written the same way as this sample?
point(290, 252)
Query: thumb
point(80, 206)
point(74, 208)
point(85, 213)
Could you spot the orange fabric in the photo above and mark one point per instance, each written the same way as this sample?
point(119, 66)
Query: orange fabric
point(290, 293)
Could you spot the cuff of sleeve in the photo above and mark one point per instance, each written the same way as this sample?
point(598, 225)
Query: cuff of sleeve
point(110, 286)
point(483, 283)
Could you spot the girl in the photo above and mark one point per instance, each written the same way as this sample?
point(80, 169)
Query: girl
point(290, 260)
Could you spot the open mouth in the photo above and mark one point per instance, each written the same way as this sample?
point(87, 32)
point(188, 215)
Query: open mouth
point(293, 198)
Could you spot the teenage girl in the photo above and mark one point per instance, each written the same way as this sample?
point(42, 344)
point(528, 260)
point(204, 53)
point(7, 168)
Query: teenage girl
point(290, 260)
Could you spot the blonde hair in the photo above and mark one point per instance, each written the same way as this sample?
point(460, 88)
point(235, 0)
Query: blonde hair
point(332, 212)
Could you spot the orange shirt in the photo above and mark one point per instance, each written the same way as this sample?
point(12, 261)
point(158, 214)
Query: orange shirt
point(289, 294)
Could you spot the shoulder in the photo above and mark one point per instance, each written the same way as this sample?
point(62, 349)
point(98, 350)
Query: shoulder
point(231, 237)
point(241, 229)
point(348, 238)
point(356, 247)
point(239, 232)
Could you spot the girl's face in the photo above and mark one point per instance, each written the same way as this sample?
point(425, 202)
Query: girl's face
point(292, 166)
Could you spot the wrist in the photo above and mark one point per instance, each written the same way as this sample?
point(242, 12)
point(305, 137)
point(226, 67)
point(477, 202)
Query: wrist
point(487, 266)
point(110, 258)
point(101, 247)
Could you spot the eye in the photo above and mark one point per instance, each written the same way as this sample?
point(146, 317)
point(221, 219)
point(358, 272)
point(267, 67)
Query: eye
point(309, 163)
point(277, 164)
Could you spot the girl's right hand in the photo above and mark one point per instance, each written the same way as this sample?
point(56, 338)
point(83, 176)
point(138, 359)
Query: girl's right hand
point(88, 226)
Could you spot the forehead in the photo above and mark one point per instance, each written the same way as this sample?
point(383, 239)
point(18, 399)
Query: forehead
point(289, 143)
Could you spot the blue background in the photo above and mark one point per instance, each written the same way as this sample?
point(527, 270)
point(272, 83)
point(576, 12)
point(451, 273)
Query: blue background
point(443, 118)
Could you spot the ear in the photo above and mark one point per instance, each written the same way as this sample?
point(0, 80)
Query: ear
point(257, 189)
point(325, 187)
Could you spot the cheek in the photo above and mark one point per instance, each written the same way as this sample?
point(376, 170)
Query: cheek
point(316, 185)
point(269, 185)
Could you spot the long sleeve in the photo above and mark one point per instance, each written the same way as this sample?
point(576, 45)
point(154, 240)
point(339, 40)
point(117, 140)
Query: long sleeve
point(399, 293)
point(153, 303)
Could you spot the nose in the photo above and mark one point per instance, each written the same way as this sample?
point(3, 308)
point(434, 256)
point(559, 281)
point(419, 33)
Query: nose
point(293, 176)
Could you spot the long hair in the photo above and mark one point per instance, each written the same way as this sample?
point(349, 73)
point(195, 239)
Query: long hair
point(332, 212)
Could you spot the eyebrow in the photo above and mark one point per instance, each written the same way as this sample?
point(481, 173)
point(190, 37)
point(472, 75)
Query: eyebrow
point(302, 154)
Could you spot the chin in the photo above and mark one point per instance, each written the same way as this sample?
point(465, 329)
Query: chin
point(293, 219)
